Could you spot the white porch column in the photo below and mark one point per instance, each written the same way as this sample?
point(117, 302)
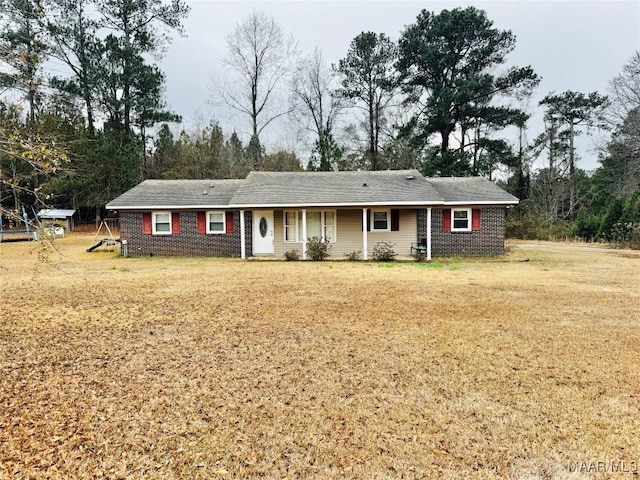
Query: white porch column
point(243, 246)
point(429, 233)
point(365, 247)
point(304, 233)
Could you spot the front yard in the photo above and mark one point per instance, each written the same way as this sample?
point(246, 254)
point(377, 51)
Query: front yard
point(220, 368)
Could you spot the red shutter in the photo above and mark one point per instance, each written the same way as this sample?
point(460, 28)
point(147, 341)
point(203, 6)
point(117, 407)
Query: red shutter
point(395, 220)
point(202, 222)
point(175, 222)
point(146, 223)
point(475, 219)
point(229, 222)
point(446, 220)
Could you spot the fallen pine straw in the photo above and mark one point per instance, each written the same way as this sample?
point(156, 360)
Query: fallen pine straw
point(219, 368)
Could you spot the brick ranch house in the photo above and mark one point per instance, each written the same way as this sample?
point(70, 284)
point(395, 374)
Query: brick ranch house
point(270, 213)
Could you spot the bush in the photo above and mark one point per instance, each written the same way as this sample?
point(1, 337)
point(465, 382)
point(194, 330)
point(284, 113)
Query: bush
point(612, 216)
point(533, 227)
point(586, 226)
point(318, 250)
point(383, 252)
point(634, 241)
point(292, 255)
point(558, 230)
point(522, 223)
point(354, 256)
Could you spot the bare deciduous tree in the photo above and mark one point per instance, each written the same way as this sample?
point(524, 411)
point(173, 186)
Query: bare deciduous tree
point(261, 56)
point(621, 159)
point(316, 108)
point(624, 91)
point(620, 153)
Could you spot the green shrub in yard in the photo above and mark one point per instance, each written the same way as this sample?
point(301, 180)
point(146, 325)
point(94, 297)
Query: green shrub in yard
point(317, 249)
point(383, 252)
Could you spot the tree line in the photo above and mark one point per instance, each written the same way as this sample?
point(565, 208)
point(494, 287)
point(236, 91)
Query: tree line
point(83, 116)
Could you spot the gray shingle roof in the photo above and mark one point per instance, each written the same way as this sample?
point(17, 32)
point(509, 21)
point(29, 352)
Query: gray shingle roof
point(467, 190)
point(305, 189)
point(177, 193)
point(293, 189)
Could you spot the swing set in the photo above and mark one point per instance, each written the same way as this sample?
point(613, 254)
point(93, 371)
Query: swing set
point(107, 243)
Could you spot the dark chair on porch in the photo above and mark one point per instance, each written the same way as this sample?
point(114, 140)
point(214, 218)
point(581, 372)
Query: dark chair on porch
point(420, 247)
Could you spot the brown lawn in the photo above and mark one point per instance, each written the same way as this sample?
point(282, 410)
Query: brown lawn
point(220, 368)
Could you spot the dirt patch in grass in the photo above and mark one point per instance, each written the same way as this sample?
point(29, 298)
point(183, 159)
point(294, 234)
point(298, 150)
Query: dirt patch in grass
point(219, 368)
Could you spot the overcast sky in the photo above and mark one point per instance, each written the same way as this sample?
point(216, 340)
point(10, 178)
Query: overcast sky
point(572, 45)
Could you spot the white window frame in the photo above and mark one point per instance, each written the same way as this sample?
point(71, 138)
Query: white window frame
point(378, 210)
point(323, 219)
point(469, 220)
point(224, 222)
point(296, 214)
point(297, 226)
point(154, 216)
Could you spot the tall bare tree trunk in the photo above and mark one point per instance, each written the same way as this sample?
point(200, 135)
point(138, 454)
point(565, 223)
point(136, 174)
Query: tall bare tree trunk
point(573, 200)
point(372, 145)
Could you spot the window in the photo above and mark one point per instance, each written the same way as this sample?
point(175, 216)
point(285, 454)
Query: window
point(329, 225)
point(380, 220)
point(461, 219)
point(161, 223)
point(291, 226)
point(314, 225)
point(321, 224)
point(216, 222)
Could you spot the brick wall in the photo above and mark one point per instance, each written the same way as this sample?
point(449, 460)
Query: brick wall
point(489, 240)
point(187, 243)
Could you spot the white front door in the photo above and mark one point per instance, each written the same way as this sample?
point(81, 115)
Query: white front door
point(263, 232)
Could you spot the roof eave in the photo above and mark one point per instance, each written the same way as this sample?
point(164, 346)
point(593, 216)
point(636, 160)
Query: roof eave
point(337, 204)
point(110, 206)
point(239, 206)
point(483, 202)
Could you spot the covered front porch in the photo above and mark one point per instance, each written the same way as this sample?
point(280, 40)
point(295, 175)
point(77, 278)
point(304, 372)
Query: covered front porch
point(347, 229)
